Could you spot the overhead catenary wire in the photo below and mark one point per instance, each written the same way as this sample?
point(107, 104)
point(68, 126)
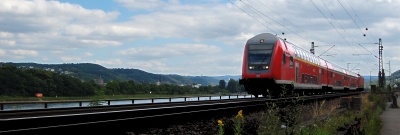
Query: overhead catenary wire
point(252, 16)
point(357, 26)
point(345, 30)
point(359, 18)
point(336, 29)
point(276, 22)
point(349, 35)
point(261, 17)
point(291, 22)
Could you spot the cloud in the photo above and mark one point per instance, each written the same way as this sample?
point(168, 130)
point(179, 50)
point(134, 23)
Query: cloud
point(70, 59)
point(2, 52)
point(189, 36)
point(101, 42)
point(138, 4)
point(170, 51)
point(6, 35)
point(7, 42)
point(109, 63)
point(22, 52)
point(40, 15)
point(152, 65)
point(88, 54)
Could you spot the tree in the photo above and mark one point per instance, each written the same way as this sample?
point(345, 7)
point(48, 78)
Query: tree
point(233, 86)
point(113, 87)
point(222, 84)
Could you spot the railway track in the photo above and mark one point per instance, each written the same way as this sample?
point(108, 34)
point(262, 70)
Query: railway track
point(120, 117)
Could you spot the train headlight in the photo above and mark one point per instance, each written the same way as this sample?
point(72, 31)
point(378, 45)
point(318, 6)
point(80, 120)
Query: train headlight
point(251, 67)
point(266, 67)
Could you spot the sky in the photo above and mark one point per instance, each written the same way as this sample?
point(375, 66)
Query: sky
point(204, 37)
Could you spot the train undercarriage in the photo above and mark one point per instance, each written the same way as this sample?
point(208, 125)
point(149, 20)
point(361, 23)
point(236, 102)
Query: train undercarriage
point(268, 88)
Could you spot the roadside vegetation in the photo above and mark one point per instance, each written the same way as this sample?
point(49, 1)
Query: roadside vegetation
point(319, 118)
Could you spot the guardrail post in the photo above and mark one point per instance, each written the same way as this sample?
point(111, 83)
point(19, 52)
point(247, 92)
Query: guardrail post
point(210, 97)
point(80, 103)
point(198, 98)
point(169, 99)
point(237, 96)
point(251, 96)
point(220, 97)
point(2, 106)
point(152, 100)
point(133, 101)
point(108, 102)
point(185, 98)
point(229, 97)
point(45, 105)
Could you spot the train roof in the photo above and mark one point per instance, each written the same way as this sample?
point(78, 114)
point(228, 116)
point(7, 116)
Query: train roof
point(318, 60)
point(267, 37)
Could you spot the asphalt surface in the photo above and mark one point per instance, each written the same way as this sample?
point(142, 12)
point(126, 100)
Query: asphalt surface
point(391, 120)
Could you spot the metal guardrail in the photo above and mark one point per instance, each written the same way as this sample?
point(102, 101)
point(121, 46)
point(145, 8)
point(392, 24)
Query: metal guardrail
point(120, 117)
point(46, 103)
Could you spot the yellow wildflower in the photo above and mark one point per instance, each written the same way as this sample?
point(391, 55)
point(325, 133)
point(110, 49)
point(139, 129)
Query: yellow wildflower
point(240, 115)
point(220, 123)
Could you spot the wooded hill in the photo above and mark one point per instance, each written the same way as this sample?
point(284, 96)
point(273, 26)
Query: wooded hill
point(27, 81)
point(90, 71)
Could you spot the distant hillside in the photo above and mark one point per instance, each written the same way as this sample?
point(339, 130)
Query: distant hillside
point(90, 71)
point(396, 74)
point(372, 77)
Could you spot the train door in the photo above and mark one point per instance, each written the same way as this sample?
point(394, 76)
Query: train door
point(297, 72)
point(319, 77)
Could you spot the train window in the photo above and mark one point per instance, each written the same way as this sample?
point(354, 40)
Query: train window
point(302, 78)
point(314, 60)
point(311, 58)
point(301, 55)
point(297, 54)
point(291, 61)
point(283, 59)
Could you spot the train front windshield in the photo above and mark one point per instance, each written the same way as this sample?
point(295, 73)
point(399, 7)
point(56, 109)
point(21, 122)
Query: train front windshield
point(259, 56)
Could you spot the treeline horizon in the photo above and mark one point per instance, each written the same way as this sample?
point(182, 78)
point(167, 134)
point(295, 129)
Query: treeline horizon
point(18, 82)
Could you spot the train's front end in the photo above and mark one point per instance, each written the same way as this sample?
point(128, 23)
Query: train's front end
point(259, 68)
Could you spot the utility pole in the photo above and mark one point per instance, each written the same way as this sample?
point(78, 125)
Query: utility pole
point(312, 48)
point(381, 73)
point(390, 73)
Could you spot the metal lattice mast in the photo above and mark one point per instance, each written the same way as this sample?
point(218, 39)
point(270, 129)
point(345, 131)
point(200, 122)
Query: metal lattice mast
point(312, 48)
point(381, 74)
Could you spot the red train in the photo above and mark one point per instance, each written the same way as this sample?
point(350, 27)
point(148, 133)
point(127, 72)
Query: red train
point(271, 63)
